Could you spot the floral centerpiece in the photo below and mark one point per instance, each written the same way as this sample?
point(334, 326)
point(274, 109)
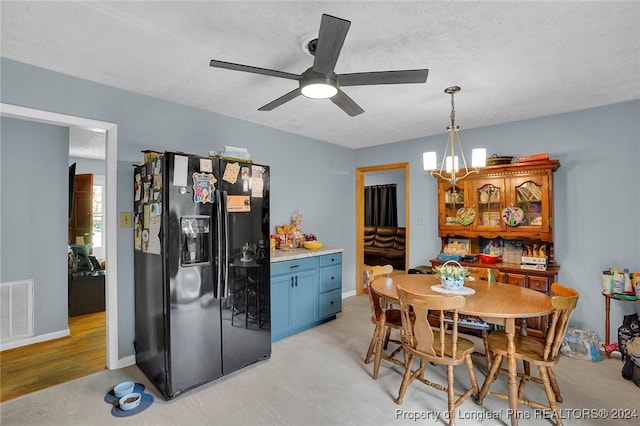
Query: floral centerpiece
point(452, 275)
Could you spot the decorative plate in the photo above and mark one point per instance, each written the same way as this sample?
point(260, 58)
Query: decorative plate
point(512, 216)
point(464, 291)
point(466, 216)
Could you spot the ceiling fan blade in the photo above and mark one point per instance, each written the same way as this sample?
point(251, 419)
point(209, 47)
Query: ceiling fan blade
point(383, 77)
point(255, 70)
point(331, 37)
point(347, 104)
point(281, 100)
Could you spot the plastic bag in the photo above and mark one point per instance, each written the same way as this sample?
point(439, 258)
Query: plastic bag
point(632, 361)
point(629, 329)
point(581, 344)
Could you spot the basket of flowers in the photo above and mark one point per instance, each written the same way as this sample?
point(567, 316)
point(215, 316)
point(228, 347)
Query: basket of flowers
point(452, 275)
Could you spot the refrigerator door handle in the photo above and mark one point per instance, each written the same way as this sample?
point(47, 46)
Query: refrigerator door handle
point(221, 261)
point(225, 218)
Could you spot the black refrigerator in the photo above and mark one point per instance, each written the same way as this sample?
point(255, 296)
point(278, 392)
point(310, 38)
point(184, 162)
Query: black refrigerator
point(201, 269)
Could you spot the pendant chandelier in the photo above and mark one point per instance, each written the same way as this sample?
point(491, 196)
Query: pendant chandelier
point(449, 167)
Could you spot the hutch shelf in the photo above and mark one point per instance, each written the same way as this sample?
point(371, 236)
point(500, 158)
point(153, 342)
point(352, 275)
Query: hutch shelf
point(524, 188)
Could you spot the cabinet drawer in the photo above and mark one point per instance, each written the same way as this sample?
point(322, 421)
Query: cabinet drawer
point(538, 283)
point(516, 279)
point(330, 303)
point(330, 259)
point(293, 266)
point(330, 278)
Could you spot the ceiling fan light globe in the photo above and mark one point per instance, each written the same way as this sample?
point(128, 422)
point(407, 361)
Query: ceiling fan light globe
point(319, 90)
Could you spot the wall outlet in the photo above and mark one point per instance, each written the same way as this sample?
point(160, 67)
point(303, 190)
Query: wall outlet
point(125, 219)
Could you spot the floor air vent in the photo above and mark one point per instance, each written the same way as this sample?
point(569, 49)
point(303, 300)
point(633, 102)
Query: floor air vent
point(16, 310)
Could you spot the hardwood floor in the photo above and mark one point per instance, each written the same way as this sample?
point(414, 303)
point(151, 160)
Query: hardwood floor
point(30, 368)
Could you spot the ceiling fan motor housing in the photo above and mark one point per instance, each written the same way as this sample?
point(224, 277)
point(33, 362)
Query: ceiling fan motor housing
point(317, 85)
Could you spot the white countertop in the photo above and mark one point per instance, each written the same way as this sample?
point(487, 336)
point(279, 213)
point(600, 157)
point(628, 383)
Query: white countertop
point(299, 253)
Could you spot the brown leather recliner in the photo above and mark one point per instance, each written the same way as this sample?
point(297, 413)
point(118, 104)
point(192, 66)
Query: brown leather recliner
point(385, 245)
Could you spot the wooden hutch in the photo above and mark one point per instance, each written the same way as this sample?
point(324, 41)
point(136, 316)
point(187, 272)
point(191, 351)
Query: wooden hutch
point(486, 194)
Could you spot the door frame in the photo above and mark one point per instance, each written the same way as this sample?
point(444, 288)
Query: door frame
point(360, 173)
point(110, 215)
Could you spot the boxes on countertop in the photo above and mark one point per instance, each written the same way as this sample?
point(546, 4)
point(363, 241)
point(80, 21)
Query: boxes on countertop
point(533, 267)
point(533, 260)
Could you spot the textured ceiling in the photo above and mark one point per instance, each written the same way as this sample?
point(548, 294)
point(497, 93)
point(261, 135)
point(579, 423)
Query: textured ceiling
point(513, 60)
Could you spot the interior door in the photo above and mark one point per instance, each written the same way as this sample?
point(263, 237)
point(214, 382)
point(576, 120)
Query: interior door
point(81, 221)
point(360, 179)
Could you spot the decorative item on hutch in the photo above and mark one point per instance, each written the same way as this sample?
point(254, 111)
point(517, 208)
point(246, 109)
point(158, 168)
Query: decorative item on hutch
point(466, 216)
point(452, 275)
point(449, 167)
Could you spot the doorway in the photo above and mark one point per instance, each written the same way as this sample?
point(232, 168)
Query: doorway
point(111, 216)
point(360, 180)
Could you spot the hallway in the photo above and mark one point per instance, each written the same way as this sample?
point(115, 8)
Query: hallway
point(38, 366)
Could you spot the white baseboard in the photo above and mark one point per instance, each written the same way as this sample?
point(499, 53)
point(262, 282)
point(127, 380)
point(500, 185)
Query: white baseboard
point(348, 294)
point(12, 344)
point(126, 361)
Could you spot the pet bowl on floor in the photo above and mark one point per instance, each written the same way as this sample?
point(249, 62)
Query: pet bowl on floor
point(123, 389)
point(130, 401)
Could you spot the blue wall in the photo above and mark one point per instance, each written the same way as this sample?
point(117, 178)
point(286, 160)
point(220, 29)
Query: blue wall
point(308, 177)
point(88, 165)
point(596, 193)
point(34, 176)
point(596, 188)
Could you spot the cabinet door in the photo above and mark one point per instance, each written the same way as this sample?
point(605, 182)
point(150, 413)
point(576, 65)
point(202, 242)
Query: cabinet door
point(451, 198)
point(281, 302)
point(538, 283)
point(489, 200)
point(330, 259)
point(516, 279)
point(305, 298)
point(531, 194)
point(536, 326)
point(330, 278)
point(329, 303)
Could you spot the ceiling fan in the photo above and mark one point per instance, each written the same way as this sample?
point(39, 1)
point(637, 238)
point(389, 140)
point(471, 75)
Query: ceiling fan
point(320, 81)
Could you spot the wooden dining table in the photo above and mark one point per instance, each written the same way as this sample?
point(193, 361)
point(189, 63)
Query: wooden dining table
point(496, 303)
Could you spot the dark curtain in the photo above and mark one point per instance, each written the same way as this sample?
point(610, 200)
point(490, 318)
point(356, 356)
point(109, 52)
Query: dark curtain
point(380, 205)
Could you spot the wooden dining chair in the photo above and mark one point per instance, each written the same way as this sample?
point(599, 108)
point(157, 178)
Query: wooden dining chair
point(443, 346)
point(382, 313)
point(542, 352)
point(470, 324)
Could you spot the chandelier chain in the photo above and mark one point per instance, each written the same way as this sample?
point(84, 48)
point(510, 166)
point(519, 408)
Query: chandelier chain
point(453, 111)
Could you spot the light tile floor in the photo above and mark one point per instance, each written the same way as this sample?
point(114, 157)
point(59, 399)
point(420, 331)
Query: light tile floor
point(318, 378)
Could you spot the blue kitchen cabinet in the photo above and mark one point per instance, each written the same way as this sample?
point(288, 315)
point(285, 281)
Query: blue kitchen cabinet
point(294, 296)
point(330, 293)
point(305, 292)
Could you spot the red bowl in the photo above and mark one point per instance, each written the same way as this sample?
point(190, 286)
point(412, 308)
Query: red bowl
point(488, 258)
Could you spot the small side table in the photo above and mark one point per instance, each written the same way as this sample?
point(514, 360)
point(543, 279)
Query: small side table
point(607, 321)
